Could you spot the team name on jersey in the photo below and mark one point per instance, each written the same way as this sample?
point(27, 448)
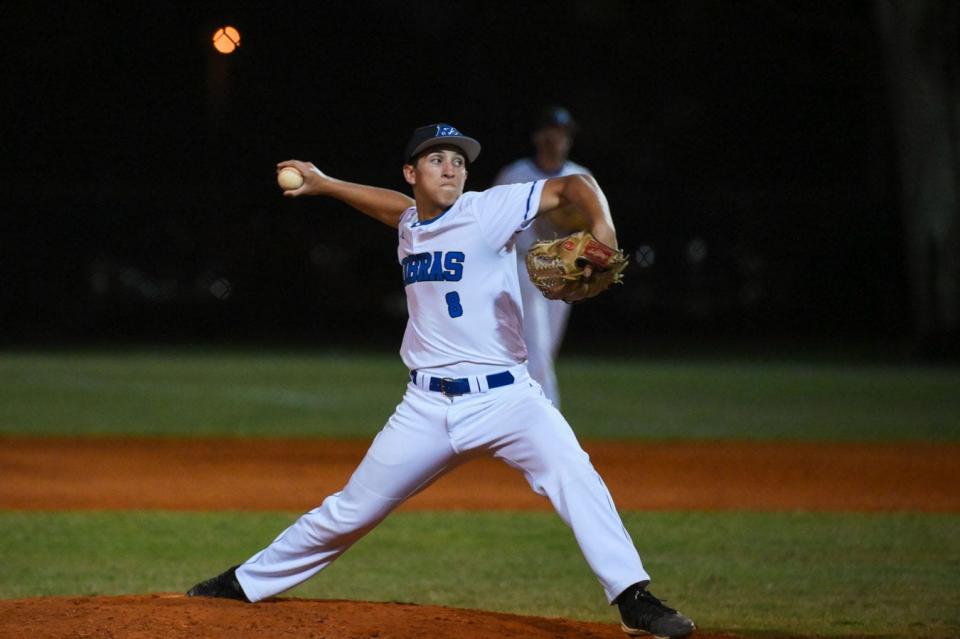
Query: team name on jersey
point(433, 267)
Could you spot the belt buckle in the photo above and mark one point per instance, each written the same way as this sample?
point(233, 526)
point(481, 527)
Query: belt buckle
point(449, 392)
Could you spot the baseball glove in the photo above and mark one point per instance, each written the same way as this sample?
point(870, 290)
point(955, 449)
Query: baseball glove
point(556, 267)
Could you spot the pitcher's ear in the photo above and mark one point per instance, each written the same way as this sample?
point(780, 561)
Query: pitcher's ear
point(410, 174)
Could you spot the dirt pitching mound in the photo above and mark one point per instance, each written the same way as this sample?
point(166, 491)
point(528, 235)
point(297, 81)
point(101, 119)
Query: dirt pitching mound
point(176, 616)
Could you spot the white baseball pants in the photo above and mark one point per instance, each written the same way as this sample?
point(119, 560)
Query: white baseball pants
point(544, 323)
point(430, 434)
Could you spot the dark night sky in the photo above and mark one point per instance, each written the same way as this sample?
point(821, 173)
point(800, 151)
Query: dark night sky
point(139, 162)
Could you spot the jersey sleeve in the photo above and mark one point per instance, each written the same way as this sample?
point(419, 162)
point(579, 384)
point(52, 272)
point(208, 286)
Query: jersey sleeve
point(502, 211)
point(406, 216)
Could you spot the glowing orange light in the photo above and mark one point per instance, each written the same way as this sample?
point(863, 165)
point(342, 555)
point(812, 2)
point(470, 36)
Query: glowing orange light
point(226, 39)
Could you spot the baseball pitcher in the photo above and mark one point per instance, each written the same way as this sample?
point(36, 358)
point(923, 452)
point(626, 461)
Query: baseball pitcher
point(469, 391)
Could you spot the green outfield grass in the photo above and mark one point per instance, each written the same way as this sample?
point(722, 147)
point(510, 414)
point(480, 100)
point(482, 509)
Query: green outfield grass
point(283, 394)
point(892, 575)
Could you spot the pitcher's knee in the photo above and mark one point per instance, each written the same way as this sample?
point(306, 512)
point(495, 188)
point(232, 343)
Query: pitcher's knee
point(554, 478)
point(568, 461)
point(339, 519)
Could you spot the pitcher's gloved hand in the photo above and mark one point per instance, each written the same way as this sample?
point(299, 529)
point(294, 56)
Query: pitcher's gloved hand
point(575, 267)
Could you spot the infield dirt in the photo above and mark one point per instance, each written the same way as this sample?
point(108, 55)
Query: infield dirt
point(177, 617)
point(295, 475)
point(242, 474)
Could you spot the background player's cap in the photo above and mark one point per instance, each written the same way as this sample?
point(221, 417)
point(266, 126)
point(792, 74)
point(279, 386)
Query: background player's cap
point(437, 134)
point(556, 116)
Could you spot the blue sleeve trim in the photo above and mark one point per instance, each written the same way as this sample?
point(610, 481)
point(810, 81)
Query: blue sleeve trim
point(533, 185)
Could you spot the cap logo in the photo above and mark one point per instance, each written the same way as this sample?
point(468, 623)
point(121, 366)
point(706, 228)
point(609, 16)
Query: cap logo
point(446, 130)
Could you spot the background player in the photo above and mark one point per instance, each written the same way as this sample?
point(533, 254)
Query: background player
point(469, 391)
point(544, 320)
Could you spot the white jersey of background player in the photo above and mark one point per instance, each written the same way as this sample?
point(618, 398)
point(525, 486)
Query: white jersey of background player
point(544, 320)
point(469, 391)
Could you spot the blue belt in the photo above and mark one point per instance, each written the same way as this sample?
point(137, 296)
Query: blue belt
point(461, 386)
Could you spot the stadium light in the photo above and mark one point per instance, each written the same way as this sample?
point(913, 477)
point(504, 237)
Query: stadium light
point(226, 40)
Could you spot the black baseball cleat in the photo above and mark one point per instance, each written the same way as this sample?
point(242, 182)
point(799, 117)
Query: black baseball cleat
point(642, 614)
point(224, 586)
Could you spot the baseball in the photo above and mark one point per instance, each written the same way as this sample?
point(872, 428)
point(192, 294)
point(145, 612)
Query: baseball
point(289, 178)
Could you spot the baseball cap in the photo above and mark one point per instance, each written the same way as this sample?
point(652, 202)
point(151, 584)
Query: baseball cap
point(437, 134)
point(556, 116)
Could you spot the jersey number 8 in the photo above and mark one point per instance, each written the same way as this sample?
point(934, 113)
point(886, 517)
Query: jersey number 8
point(453, 304)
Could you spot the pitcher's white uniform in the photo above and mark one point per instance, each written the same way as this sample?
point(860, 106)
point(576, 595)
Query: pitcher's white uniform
point(463, 336)
point(544, 321)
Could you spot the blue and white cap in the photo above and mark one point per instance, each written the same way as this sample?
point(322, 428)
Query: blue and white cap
point(438, 134)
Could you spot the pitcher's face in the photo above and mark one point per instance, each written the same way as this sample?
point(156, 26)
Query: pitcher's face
point(439, 175)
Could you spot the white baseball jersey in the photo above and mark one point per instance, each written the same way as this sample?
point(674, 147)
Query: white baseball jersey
point(460, 276)
point(544, 320)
